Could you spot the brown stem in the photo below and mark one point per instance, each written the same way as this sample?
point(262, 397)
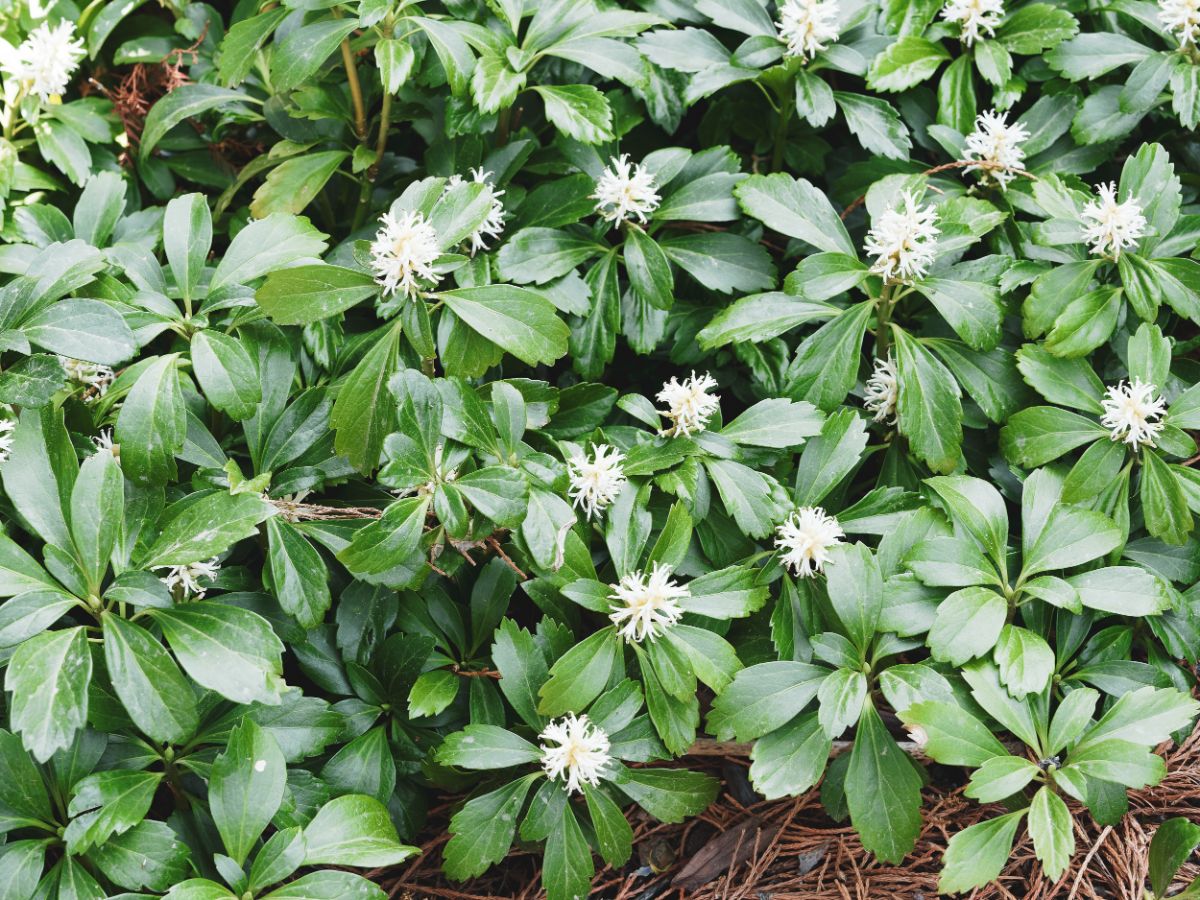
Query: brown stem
point(945, 167)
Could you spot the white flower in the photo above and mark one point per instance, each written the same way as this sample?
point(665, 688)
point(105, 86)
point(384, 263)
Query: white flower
point(1110, 227)
point(1131, 412)
point(917, 735)
point(595, 482)
point(7, 429)
point(903, 241)
point(805, 538)
point(104, 441)
point(493, 225)
point(403, 253)
point(577, 751)
point(689, 405)
point(650, 604)
point(1182, 17)
point(625, 190)
point(94, 376)
point(997, 145)
point(975, 17)
point(882, 390)
point(46, 59)
point(807, 26)
point(188, 577)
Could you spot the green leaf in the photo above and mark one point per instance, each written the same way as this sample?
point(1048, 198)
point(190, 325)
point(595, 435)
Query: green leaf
point(1123, 590)
point(185, 102)
point(978, 507)
point(107, 803)
point(22, 790)
point(904, 64)
point(1145, 717)
point(159, 700)
point(580, 674)
point(1085, 324)
point(855, 589)
point(763, 698)
point(205, 525)
point(670, 795)
point(328, 884)
point(779, 423)
point(486, 747)
point(246, 787)
point(613, 832)
point(263, 246)
point(48, 676)
point(796, 208)
point(1041, 434)
point(187, 237)
point(353, 831)
point(977, 854)
point(518, 320)
point(298, 574)
point(364, 411)
point(1053, 832)
point(226, 374)
point(301, 295)
point(1172, 844)
point(152, 423)
point(482, 831)
point(999, 778)
point(298, 56)
point(1164, 503)
point(227, 649)
point(875, 123)
point(883, 791)
point(432, 693)
point(974, 310)
point(967, 624)
point(83, 329)
point(790, 760)
point(953, 736)
point(1072, 536)
point(928, 411)
point(579, 111)
point(295, 183)
point(1026, 661)
point(649, 269)
point(567, 867)
point(97, 513)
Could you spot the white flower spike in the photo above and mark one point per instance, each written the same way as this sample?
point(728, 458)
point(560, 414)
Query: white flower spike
point(626, 191)
point(997, 145)
point(805, 538)
point(575, 751)
point(646, 606)
point(975, 17)
point(493, 225)
point(595, 482)
point(403, 253)
point(188, 577)
point(47, 59)
point(689, 405)
point(1110, 227)
point(94, 376)
point(807, 26)
point(903, 241)
point(882, 391)
point(8, 428)
point(1181, 18)
point(1132, 412)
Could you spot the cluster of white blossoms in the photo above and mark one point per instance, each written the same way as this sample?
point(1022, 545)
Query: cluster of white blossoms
point(493, 225)
point(46, 60)
point(8, 429)
point(689, 403)
point(103, 441)
point(1110, 227)
point(805, 538)
point(1181, 18)
point(92, 375)
point(595, 482)
point(975, 17)
point(903, 241)
point(882, 391)
point(575, 751)
point(807, 26)
point(626, 191)
point(1131, 412)
point(188, 577)
point(997, 145)
point(403, 253)
point(648, 605)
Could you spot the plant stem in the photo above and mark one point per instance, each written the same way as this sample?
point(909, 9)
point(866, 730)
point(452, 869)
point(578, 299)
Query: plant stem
point(781, 130)
point(883, 315)
point(356, 94)
point(503, 126)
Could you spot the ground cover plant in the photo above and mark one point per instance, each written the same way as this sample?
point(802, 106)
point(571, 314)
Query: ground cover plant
point(482, 401)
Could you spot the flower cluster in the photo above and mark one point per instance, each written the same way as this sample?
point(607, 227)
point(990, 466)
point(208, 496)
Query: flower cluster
point(187, 578)
point(975, 17)
point(403, 253)
point(996, 147)
point(689, 405)
point(626, 190)
point(47, 59)
point(1110, 227)
point(1132, 413)
point(1181, 18)
point(493, 225)
point(574, 751)
point(595, 482)
point(903, 241)
point(93, 376)
point(805, 538)
point(646, 605)
point(882, 390)
point(807, 26)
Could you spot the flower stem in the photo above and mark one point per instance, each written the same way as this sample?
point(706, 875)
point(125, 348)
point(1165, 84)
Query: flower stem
point(883, 315)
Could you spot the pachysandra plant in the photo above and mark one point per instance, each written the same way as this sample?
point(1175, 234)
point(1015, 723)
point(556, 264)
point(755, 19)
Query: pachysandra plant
point(430, 415)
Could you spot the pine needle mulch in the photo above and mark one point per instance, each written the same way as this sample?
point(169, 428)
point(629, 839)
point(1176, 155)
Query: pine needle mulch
point(740, 849)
